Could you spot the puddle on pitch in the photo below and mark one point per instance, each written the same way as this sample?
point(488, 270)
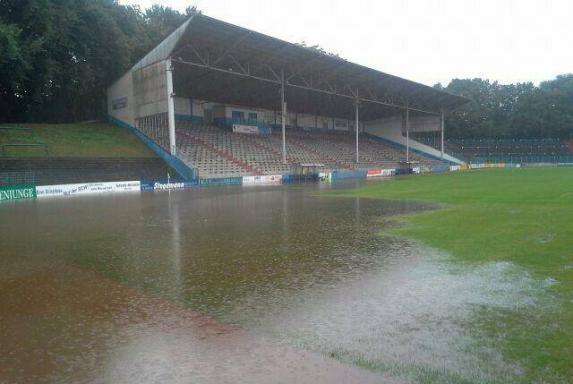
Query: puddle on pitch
point(140, 288)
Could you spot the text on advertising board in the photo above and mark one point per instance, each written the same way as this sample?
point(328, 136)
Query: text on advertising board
point(17, 192)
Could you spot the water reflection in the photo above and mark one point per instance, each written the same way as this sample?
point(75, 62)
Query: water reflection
point(176, 246)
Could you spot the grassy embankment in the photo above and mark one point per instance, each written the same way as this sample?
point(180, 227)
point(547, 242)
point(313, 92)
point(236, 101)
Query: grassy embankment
point(82, 140)
point(523, 216)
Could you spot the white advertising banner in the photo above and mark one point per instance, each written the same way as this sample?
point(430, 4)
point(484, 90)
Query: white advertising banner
point(325, 176)
point(455, 168)
point(380, 172)
point(262, 180)
point(87, 188)
point(251, 129)
point(167, 186)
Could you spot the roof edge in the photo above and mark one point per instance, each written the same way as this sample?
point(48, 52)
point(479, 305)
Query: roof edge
point(164, 49)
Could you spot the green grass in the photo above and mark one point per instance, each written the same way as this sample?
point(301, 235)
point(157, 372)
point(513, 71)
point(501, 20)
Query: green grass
point(416, 373)
point(523, 216)
point(82, 140)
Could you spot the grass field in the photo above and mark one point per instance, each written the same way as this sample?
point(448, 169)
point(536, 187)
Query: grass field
point(522, 216)
point(84, 140)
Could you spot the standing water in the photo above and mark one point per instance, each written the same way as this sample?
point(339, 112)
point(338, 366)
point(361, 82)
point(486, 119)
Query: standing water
point(235, 285)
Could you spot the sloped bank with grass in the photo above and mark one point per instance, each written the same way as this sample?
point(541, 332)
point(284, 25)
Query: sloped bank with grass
point(518, 216)
point(71, 140)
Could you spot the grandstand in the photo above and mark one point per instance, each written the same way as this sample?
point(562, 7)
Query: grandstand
point(216, 100)
point(218, 152)
point(508, 150)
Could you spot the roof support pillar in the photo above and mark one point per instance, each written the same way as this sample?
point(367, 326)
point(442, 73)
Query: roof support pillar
point(407, 133)
point(356, 128)
point(442, 126)
point(170, 108)
point(283, 115)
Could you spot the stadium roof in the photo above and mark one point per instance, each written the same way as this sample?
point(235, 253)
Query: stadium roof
point(217, 61)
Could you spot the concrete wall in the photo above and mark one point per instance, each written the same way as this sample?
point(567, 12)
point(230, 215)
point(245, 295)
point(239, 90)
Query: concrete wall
point(322, 122)
point(246, 110)
point(390, 129)
point(199, 107)
point(428, 123)
point(325, 122)
point(341, 125)
point(145, 91)
point(120, 100)
point(306, 121)
point(185, 108)
point(150, 90)
point(182, 106)
point(271, 117)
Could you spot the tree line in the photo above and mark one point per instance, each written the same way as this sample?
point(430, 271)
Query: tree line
point(57, 58)
point(521, 110)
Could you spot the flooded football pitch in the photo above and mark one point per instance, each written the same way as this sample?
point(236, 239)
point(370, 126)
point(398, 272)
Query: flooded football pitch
point(269, 285)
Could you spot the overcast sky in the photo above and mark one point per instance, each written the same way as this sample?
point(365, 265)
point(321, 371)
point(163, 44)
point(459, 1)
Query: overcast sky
point(428, 41)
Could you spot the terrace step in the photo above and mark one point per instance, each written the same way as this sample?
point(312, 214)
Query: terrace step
point(65, 170)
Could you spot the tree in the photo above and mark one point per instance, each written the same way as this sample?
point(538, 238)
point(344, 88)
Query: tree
point(13, 68)
point(319, 49)
point(520, 110)
point(57, 57)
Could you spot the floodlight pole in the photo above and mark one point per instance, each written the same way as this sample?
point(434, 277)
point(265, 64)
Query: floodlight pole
point(356, 128)
point(407, 133)
point(283, 115)
point(170, 107)
point(442, 126)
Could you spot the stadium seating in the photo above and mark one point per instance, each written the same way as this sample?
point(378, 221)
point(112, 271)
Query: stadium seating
point(64, 170)
point(218, 152)
point(505, 150)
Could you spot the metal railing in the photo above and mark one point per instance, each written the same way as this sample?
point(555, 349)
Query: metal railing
point(14, 128)
point(17, 177)
point(6, 146)
point(520, 159)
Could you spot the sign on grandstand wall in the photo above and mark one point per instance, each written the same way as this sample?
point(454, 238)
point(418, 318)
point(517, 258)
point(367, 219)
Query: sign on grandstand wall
point(262, 180)
point(487, 165)
point(17, 192)
point(340, 174)
point(380, 172)
point(221, 181)
point(87, 188)
point(325, 176)
point(250, 129)
point(119, 103)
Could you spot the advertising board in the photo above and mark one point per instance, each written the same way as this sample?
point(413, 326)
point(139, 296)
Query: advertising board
point(249, 129)
point(17, 192)
point(262, 180)
point(325, 177)
point(87, 188)
point(147, 185)
point(380, 172)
